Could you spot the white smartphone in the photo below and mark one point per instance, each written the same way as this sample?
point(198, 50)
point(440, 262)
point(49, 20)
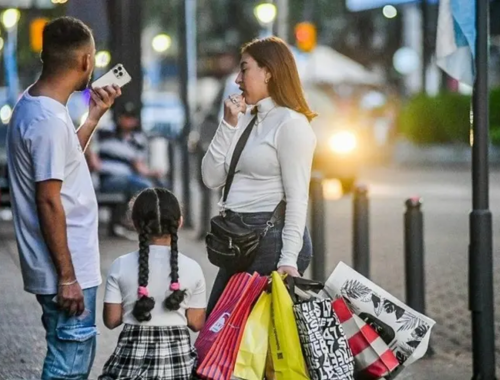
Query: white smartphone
point(117, 75)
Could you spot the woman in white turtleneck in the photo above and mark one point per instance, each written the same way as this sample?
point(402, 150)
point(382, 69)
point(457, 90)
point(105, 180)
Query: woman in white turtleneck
point(275, 164)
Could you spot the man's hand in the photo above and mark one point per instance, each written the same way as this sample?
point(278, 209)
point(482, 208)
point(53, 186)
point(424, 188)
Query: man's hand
point(70, 298)
point(101, 101)
point(291, 271)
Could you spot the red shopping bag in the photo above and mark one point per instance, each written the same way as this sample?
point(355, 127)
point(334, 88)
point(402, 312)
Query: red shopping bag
point(373, 358)
point(232, 294)
point(218, 362)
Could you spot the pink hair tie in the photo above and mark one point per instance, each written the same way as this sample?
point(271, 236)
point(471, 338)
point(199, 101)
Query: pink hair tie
point(175, 286)
point(143, 291)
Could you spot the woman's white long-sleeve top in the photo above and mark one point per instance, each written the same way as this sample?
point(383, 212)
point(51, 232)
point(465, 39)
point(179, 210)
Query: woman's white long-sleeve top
point(274, 165)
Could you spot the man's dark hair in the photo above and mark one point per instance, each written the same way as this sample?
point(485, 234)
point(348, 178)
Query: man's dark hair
point(61, 37)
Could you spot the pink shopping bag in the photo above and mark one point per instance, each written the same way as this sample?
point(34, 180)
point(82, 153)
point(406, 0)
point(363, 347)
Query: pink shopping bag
point(235, 288)
point(218, 362)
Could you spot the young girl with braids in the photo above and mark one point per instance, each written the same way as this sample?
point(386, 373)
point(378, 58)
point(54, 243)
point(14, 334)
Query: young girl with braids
point(157, 311)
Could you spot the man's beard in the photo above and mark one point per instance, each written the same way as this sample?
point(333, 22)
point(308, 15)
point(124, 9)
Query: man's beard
point(84, 85)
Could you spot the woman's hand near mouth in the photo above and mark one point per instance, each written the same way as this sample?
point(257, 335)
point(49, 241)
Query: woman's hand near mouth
point(233, 105)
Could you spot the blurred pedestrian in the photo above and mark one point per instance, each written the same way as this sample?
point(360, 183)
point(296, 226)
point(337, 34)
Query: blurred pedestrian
point(155, 341)
point(122, 162)
point(54, 202)
point(275, 164)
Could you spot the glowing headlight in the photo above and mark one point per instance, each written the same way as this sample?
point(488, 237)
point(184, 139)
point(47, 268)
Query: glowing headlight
point(343, 142)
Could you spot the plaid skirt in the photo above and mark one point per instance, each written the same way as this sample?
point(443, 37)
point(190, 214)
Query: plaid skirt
point(151, 352)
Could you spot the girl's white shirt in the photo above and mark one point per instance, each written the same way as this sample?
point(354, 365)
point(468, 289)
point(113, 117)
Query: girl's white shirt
point(122, 286)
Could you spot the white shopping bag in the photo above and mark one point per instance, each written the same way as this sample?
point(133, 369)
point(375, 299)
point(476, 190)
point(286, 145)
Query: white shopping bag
point(403, 329)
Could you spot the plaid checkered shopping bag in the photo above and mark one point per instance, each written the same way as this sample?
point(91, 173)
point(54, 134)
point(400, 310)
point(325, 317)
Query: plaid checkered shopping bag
point(219, 361)
point(372, 356)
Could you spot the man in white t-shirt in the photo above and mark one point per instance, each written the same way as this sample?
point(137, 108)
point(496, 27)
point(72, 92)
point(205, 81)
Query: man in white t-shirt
point(54, 203)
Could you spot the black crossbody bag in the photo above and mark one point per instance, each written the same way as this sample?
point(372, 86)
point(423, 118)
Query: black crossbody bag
point(230, 245)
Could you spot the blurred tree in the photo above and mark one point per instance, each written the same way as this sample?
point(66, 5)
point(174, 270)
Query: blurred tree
point(29, 61)
point(162, 13)
point(327, 15)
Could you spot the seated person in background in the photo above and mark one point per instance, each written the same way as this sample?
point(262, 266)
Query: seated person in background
point(123, 156)
point(122, 161)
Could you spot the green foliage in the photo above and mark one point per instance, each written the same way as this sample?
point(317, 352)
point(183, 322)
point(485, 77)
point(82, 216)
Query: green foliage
point(495, 116)
point(440, 119)
point(445, 118)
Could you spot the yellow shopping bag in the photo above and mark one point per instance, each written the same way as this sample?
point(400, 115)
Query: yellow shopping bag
point(251, 359)
point(288, 361)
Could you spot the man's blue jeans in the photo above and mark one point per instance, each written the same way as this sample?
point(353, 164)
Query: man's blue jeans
point(71, 341)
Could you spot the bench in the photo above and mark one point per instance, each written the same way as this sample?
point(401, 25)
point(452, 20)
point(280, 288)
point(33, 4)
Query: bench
point(108, 200)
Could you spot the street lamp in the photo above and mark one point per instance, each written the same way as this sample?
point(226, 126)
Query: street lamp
point(266, 14)
point(102, 59)
point(5, 114)
point(161, 43)
point(390, 11)
point(10, 18)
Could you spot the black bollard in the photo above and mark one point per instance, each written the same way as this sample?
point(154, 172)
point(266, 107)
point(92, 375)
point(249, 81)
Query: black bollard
point(171, 164)
point(205, 212)
point(205, 199)
point(361, 231)
point(414, 257)
point(318, 227)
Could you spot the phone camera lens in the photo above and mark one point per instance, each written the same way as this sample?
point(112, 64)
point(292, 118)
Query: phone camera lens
point(115, 71)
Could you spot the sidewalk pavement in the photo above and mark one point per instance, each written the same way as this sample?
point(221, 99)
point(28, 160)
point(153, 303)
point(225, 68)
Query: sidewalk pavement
point(22, 345)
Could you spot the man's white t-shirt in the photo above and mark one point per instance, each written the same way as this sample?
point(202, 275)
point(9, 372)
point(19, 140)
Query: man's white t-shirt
point(123, 283)
point(42, 145)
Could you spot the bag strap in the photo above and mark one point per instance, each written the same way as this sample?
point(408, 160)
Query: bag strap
point(302, 288)
point(236, 156)
point(238, 149)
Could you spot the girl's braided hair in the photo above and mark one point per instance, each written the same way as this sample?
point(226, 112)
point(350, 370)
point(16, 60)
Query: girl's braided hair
point(155, 213)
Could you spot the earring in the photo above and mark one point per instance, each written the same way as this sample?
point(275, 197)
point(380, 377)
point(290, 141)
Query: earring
point(266, 81)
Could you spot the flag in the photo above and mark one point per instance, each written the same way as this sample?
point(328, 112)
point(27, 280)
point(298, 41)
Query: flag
point(456, 39)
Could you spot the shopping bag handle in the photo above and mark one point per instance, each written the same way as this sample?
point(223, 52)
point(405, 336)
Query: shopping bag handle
point(303, 284)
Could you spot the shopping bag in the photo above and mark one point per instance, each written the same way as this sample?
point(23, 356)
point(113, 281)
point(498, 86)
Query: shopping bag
point(373, 358)
point(219, 361)
point(404, 330)
point(302, 289)
point(269, 370)
point(323, 341)
point(288, 361)
point(251, 358)
point(232, 294)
